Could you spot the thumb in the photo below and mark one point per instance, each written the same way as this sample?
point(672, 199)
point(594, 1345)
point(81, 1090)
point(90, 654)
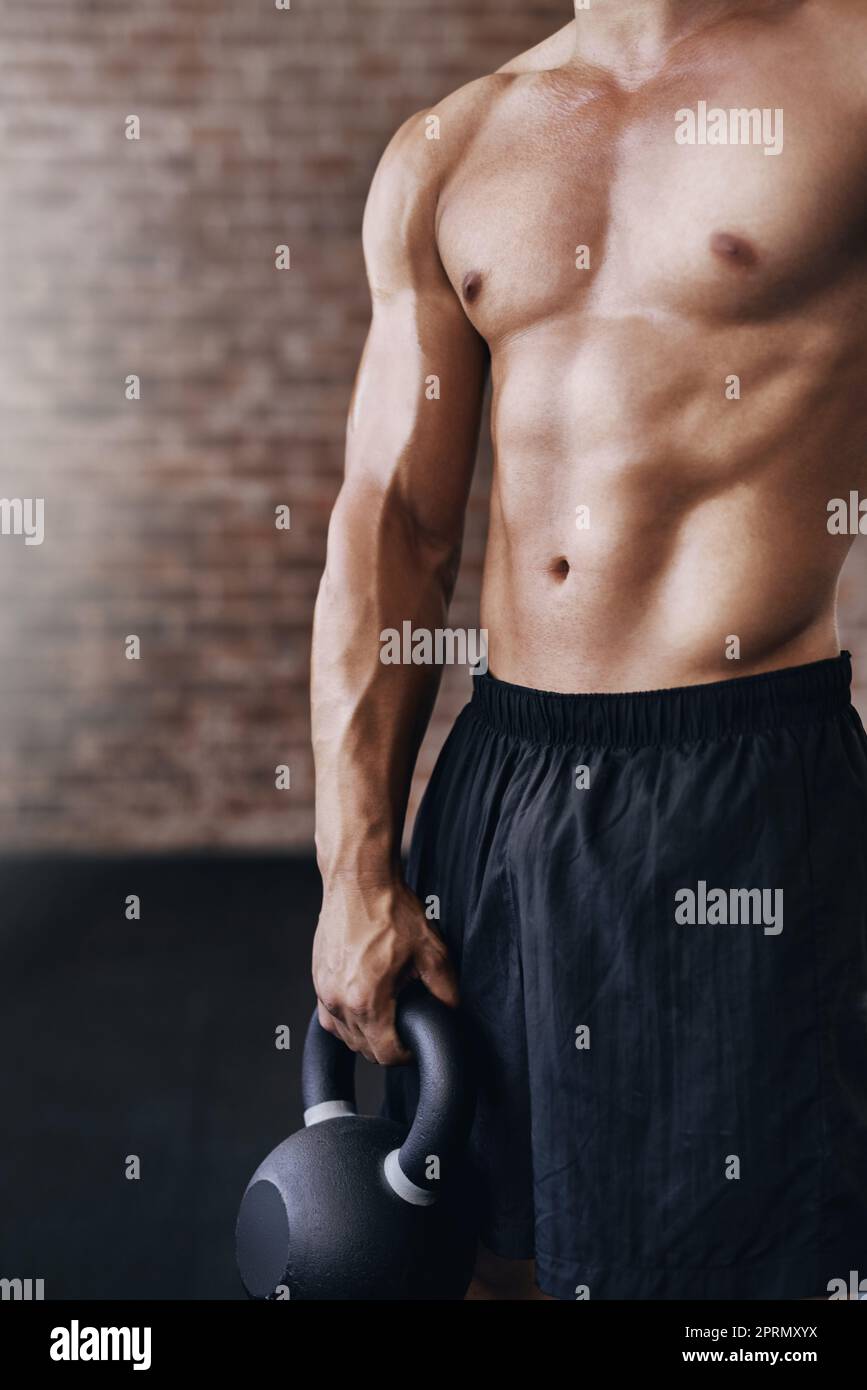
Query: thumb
point(436, 971)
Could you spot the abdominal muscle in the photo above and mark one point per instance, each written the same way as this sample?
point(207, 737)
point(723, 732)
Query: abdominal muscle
point(642, 534)
point(560, 624)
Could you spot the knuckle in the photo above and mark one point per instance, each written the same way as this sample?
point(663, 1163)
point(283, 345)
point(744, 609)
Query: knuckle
point(357, 1002)
point(328, 1021)
point(330, 1002)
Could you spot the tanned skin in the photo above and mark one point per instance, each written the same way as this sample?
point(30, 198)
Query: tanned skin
point(708, 515)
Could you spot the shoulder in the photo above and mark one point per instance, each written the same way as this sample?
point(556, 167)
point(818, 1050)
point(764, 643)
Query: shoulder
point(427, 149)
point(400, 215)
point(430, 143)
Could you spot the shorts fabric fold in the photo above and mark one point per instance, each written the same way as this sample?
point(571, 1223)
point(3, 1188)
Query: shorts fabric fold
point(657, 906)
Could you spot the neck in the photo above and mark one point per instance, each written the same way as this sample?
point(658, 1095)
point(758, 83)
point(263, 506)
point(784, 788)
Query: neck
point(637, 33)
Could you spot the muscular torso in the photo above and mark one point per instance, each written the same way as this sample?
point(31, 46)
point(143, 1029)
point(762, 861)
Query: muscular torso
point(647, 508)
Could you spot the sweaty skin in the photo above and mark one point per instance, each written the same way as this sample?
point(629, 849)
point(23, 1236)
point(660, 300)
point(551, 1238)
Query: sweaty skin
point(697, 390)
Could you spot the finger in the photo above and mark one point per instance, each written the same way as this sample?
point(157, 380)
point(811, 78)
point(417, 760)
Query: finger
point(384, 1042)
point(355, 1040)
point(436, 972)
point(372, 1028)
point(350, 1028)
point(343, 1028)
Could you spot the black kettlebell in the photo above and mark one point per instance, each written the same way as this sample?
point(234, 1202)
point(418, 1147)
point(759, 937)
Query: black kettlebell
point(353, 1206)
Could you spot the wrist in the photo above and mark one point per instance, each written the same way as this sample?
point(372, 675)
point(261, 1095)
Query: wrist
point(370, 859)
point(340, 874)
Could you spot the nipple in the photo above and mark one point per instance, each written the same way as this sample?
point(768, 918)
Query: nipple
point(472, 285)
point(733, 248)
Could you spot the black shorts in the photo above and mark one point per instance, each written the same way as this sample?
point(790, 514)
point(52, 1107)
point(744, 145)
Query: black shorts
point(663, 966)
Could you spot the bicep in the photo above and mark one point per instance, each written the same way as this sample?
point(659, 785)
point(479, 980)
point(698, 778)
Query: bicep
point(416, 409)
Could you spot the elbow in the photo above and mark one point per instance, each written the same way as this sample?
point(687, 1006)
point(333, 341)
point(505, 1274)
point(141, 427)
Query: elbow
point(436, 552)
point(378, 523)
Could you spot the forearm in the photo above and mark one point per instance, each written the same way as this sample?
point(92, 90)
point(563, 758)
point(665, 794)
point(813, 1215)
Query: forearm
point(368, 717)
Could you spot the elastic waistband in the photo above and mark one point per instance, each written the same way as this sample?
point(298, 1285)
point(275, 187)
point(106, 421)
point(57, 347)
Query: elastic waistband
point(743, 705)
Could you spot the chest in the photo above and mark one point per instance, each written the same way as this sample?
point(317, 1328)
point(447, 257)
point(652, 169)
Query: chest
point(718, 199)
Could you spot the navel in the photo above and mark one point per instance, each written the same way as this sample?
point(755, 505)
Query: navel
point(471, 286)
point(733, 248)
point(559, 567)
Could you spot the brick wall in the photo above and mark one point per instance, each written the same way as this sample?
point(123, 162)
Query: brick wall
point(155, 257)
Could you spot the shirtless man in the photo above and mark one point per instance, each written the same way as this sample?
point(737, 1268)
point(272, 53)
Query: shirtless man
point(648, 830)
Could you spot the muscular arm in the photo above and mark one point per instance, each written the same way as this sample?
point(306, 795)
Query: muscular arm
point(393, 551)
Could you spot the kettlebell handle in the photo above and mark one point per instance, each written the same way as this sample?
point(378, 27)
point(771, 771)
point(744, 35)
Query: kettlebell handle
point(433, 1033)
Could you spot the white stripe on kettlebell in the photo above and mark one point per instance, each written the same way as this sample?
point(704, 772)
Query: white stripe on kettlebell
point(327, 1110)
point(400, 1183)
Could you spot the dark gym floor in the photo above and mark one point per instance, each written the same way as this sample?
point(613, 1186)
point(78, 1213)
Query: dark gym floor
point(154, 1038)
